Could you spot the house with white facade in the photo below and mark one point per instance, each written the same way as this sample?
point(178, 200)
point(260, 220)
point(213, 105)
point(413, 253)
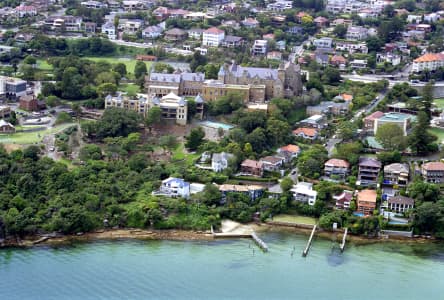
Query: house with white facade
point(356, 33)
point(220, 161)
point(174, 187)
point(428, 62)
point(213, 37)
point(303, 192)
point(152, 32)
point(110, 30)
point(259, 47)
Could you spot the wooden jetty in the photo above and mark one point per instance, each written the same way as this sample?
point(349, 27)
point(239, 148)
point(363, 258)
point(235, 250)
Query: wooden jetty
point(343, 240)
point(260, 242)
point(307, 248)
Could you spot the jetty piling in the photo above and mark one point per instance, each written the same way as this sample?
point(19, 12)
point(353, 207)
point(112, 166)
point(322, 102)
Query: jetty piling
point(307, 248)
point(343, 240)
point(260, 242)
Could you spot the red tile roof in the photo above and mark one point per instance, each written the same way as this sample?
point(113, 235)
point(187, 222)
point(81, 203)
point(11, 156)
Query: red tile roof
point(311, 132)
point(428, 57)
point(291, 148)
point(374, 116)
point(214, 30)
point(249, 163)
point(340, 163)
point(433, 166)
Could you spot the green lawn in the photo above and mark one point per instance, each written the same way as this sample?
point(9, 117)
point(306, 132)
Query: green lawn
point(295, 219)
point(25, 138)
point(130, 63)
point(180, 154)
point(439, 103)
point(43, 65)
point(439, 132)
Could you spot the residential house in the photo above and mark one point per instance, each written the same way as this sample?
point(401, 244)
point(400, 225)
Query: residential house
point(252, 167)
point(329, 108)
point(321, 22)
point(338, 61)
point(336, 167)
point(396, 174)
point(324, 42)
point(366, 202)
point(300, 15)
point(276, 55)
point(314, 121)
point(152, 32)
point(174, 187)
point(131, 26)
point(132, 5)
point(93, 4)
point(195, 33)
point(432, 18)
point(428, 62)
point(232, 41)
point(414, 19)
point(306, 133)
point(5, 111)
point(400, 204)
point(289, 152)
point(370, 121)
point(272, 163)
point(6, 127)
point(22, 38)
point(433, 172)
point(368, 171)
point(259, 47)
point(250, 23)
point(344, 98)
point(295, 30)
point(252, 191)
point(220, 161)
point(177, 13)
point(351, 47)
point(89, 27)
point(280, 5)
point(110, 30)
point(356, 33)
point(25, 11)
point(343, 200)
point(268, 36)
point(213, 37)
point(341, 21)
point(358, 64)
point(175, 34)
point(161, 13)
point(303, 192)
point(390, 58)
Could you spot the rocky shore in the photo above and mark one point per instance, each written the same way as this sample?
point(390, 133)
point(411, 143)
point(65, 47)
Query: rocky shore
point(186, 235)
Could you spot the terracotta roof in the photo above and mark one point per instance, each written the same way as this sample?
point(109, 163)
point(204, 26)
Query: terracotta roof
point(306, 131)
point(320, 19)
point(291, 148)
point(338, 58)
point(367, 195)
point(433, 166)
point(271, 159)
point(347, 97)
point(401, 200)
point(340, 163)
point(428, 57)
point(374, 116)
point(249, 163)
point(214, 30)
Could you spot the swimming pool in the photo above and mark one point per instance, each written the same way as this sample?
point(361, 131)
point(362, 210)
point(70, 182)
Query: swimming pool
point(216, 125)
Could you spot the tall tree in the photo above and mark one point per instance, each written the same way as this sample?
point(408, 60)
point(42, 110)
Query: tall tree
point(420, 139)
point(391, 137)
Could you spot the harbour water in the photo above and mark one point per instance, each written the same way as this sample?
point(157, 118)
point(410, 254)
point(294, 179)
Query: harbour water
point(223, 269)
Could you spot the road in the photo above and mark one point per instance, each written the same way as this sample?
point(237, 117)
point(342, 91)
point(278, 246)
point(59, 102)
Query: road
point(333, 141)
point(375, 78)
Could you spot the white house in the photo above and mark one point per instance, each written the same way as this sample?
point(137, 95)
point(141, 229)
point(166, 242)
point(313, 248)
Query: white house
point(324, 42)
point(174, 187)
point(110, 30)
point(303, 192)
point(356, 33)
point(25, 11)
point(213, 37)
point(152, 32)
point(220, 161)
point(428, 61)
point(259, 47)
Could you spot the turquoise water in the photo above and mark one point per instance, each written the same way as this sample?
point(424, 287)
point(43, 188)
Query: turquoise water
point(217, 125)
point(228, 269)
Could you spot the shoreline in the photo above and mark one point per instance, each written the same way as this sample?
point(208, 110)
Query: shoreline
point(189, 235)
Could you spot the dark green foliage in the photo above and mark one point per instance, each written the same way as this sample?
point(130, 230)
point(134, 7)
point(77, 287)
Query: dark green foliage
point(114, 122)
point(195, 139)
